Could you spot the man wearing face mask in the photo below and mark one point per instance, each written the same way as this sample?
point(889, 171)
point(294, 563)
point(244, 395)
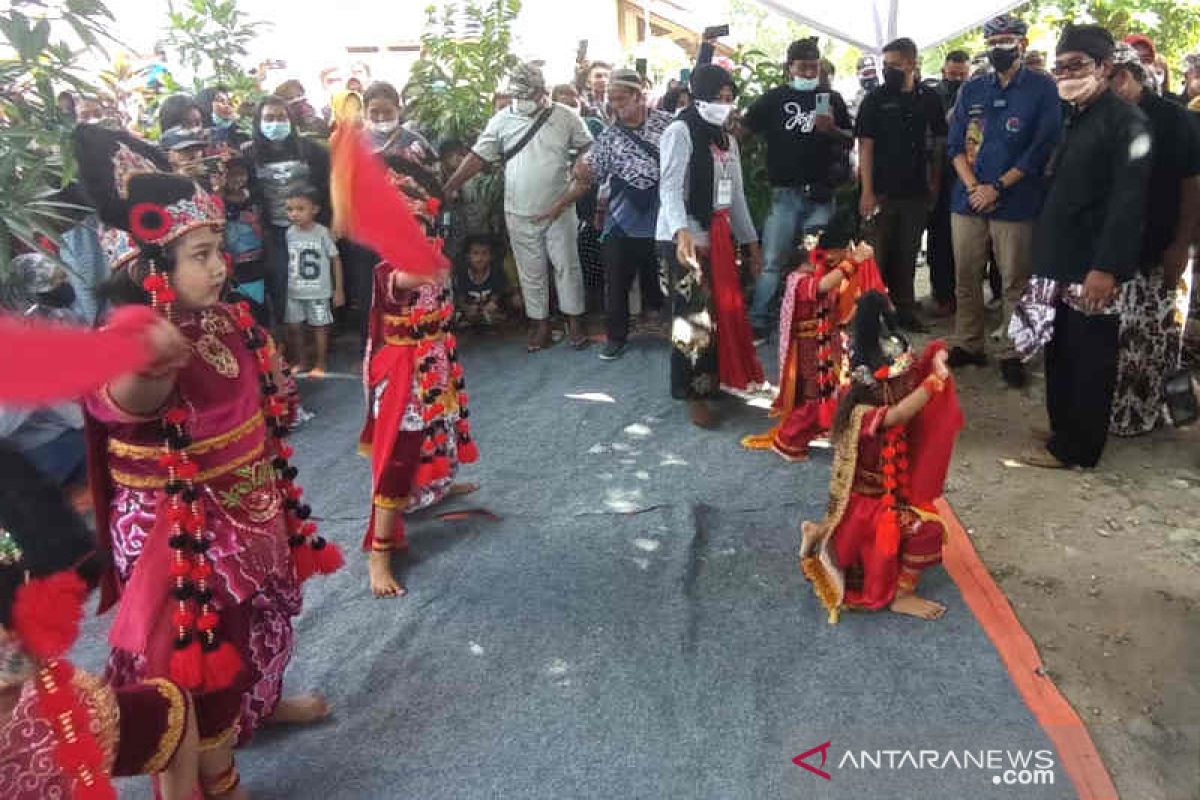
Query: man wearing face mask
point(807, 129)
point(1150, 335)
point(867, 70)
point(956, 69)
point(901, 132)
point(1086, 244)
point(532, 138)
point(1147, 53)
point(1002, 133)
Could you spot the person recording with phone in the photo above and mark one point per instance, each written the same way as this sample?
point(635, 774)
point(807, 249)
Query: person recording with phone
point(808, 134)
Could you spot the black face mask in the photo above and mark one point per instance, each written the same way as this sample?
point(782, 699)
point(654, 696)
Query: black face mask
point(1002, 58)
point(952, 86)
point(61, 296)
point(893, 78)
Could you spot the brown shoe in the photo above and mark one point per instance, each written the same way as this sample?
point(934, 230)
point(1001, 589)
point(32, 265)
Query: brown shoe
point(1041, 457)
point(1041, 435)
point(702, 414)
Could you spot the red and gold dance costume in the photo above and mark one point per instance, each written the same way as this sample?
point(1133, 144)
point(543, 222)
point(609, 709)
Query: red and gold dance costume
point(881, 530)
point(134, 730)
point(417, 430)
point(812, 351)
point(197, 502)
point(67, 731)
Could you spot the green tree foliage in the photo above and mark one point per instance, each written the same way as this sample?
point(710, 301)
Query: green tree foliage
point(1173, 25)
point(40, 57)
point(465, 53)
point(211, 38)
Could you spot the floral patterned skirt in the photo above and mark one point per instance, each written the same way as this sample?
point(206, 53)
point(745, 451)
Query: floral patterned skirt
point(1151, 331)
point(693, 329)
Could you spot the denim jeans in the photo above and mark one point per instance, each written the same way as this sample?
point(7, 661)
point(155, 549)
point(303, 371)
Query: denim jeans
point(790, 210)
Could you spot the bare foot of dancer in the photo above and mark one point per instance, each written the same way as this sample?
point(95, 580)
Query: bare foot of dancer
point(917, 607)
point(304, 709)
point(461, 489)
point(379, 571)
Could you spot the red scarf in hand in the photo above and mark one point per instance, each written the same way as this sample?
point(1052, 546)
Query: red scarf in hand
point(737, 362)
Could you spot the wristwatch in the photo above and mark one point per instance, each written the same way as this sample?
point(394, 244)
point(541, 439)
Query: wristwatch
point(999, 186)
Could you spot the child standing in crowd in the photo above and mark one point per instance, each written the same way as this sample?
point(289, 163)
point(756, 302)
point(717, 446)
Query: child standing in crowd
point(244, 239)
point(314, 280)
point(481, 293)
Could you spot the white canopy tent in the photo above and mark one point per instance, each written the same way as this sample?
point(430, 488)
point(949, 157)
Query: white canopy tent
point(870, 24)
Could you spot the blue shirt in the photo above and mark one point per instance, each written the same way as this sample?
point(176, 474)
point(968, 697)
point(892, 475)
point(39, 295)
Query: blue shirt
point(1001, 127)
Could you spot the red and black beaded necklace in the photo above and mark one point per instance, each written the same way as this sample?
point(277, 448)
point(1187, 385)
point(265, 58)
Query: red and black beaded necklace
point(202, 660)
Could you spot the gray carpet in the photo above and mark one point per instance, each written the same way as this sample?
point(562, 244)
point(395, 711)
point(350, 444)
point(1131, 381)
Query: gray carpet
point(634, 626)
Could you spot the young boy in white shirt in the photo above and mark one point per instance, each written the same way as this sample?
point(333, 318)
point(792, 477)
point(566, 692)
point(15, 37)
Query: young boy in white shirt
point(315, 284)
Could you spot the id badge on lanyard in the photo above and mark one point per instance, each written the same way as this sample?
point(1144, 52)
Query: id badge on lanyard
point(725, 182)
point(725, 192)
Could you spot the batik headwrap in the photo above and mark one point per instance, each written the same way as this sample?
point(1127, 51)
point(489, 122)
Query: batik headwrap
point(526, 82)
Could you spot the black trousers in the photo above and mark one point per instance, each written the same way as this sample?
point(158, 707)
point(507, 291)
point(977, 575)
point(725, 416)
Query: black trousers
point(276, 274)
point(1081, 376)
point(624, 258)
point(941, 250)
point(898, 230)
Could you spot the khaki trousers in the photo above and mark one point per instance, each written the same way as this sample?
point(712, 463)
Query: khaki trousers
point(1012, 246)
point(537, 245)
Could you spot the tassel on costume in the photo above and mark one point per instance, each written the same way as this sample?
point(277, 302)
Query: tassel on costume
point(186, 666)
point(468, 453)
point(221, 667)
point(46, 614)
point(305, 563)
point(327, 556)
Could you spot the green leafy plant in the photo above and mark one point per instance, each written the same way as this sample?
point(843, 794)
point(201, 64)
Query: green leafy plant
point(35, 152)
point(465, 53)
point(212, 38)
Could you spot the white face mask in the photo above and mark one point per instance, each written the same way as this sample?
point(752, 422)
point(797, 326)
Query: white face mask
point(525, 107)
point(714, 113)
point(384, 127)
point(1074, 90)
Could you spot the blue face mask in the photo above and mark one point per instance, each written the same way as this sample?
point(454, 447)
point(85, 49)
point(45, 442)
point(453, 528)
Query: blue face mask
point(222, 124)
point(804, 84)
point(275, 131)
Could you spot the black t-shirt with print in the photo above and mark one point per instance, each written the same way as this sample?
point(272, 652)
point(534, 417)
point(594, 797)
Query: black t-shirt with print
point(904, 126)
point(470, 291)
point(797, 154)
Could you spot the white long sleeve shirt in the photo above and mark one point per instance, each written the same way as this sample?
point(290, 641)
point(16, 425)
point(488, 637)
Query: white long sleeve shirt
point(675, 151)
